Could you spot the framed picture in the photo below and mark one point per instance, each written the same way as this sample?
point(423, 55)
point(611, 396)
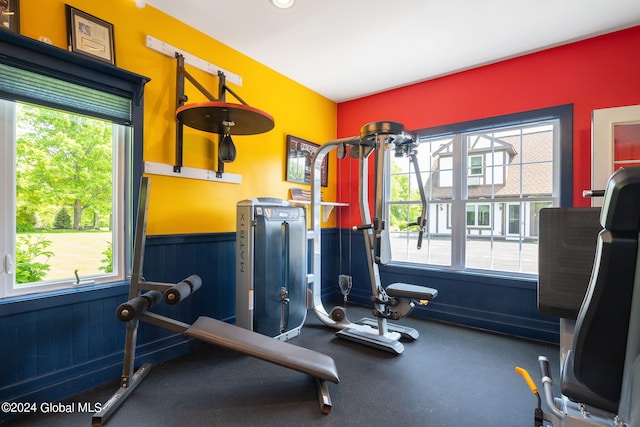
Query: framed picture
point(299, 157)
point(89, 35)
point(10, 15)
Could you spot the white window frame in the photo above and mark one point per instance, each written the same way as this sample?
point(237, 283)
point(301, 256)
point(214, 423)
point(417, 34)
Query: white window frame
point(7, 196)
point(476, 208)
point(472, 167)
point(38, 73)
point(561, 188)
point(8, 288)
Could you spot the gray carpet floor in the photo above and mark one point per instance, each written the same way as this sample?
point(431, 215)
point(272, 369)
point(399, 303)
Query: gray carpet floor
point(450, 376)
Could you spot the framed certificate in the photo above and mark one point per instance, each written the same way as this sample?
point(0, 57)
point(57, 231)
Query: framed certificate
point(90, 36)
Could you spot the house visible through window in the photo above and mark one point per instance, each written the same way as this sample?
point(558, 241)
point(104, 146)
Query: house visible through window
point(478, 215)
point(475, 168)
point(485, 189)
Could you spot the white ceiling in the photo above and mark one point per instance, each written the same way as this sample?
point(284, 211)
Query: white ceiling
point(346, 49)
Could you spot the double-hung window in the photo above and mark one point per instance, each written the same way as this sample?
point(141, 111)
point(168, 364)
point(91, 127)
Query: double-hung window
point(485, 183)
point(67, 169)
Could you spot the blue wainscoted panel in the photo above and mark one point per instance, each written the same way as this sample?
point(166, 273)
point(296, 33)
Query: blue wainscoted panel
point(212, 257)
point(58, 344)
point(331, 265)
point(490, 302)
point(47, 338)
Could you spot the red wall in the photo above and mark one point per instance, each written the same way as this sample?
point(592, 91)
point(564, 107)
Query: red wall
point(600, 72)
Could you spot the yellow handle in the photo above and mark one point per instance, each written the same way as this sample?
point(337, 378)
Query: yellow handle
point(528, 379)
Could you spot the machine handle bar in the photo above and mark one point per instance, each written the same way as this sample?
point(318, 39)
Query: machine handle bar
point(545, 370)
point(362, 227)
point(423, 198)
point(523, 372)
point(592, 193)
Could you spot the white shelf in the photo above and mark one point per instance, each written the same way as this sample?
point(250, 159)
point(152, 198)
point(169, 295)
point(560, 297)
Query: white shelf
point(326, 207)
point(154, 168)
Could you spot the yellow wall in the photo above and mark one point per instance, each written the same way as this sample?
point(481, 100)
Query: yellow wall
point(180, 205)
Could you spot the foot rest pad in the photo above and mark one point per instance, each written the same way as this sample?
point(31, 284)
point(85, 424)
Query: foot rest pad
point(405, 290)
point(263, 347)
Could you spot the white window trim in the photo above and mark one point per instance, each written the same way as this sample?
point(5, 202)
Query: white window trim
point(476, 205)
point(460, 197)
point(121, 143)
point(7, 196)
point(471, 167)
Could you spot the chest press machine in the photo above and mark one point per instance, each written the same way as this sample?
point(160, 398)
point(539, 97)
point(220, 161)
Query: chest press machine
point(397, 300)
point(600, 355)
point(143, 295)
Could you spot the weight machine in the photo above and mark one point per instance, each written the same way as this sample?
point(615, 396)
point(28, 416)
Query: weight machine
point(600, 363)
point(143, 295)
point(397, 300)
point(271, 267)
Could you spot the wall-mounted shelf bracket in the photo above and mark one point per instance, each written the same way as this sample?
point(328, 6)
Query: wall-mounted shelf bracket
point(154, 168)
point(326, 207)
point(192, 60)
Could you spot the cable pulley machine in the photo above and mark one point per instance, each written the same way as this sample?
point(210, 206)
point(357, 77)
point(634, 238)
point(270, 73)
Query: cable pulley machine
point(397, 300)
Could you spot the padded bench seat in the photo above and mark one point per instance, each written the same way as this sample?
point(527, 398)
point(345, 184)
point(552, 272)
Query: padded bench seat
point(242, 340)
point(405, 290)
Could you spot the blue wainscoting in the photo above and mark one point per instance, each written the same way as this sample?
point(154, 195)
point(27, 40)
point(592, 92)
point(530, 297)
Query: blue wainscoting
point(59, 344)
point(491, 302)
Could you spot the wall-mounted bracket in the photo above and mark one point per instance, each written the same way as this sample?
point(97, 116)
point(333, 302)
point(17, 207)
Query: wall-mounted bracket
point(192, 60)
point(216, 115)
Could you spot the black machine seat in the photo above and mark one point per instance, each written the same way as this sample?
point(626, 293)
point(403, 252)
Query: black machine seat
point(594, 367)
point(405, 290)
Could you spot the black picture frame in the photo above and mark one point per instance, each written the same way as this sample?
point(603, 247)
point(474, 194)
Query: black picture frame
point(90, 36)
point(10, 15)
point(299, 156)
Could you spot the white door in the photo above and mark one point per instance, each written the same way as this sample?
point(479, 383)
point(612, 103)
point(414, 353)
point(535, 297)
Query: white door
point(615, 143)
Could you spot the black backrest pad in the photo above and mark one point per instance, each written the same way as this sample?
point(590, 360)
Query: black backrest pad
point(621, 205)
point(566, 250)
point(602, 325)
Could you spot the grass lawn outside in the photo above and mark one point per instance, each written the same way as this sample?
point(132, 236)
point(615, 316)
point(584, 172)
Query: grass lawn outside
point(73, 250)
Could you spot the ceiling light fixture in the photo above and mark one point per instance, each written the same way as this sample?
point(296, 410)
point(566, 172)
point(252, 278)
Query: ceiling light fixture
point(282, 4)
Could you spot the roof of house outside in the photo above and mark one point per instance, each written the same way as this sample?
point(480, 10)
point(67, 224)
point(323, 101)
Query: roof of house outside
point(528, 156)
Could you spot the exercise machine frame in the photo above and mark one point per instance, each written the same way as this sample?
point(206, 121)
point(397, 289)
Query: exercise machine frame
point(144, 294)
point(398, 299)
